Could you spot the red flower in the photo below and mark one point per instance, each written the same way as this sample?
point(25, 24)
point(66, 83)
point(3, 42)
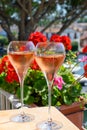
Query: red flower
point(1, 68)
point(37, 37)
point(11, 76)
point(55, 38)
point(22, 48)
point(85, 70)
point(35, 66)
point(64, 39)
point(84, 49)
point(67, 42)
point(3, 64)
point(6, 66)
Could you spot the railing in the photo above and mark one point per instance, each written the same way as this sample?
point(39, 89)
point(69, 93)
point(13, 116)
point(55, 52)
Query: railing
point(8, 101)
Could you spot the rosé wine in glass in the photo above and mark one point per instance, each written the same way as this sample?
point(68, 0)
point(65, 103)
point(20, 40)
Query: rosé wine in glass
point(21, 61)
point(50, 64)
point(21, 54)
point(49, 57)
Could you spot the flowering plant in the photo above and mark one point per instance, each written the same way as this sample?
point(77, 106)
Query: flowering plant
point(8, 77)
point(65, 90)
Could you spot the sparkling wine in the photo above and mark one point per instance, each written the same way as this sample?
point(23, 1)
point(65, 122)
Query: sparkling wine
point(21, 54)
point(21, 61)
point(49, 56)
point(50, 64)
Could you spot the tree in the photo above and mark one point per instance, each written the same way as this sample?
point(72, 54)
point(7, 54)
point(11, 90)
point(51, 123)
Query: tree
point(28, 14)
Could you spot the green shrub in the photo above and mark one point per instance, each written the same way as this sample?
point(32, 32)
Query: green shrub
point(74, 46)
point(4, 40)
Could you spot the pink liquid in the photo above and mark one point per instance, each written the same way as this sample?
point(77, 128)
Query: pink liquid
point(21, 62)
point(50, 64)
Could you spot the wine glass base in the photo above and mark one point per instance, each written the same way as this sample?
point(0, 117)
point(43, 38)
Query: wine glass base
point(46, 125)
point(22, 118)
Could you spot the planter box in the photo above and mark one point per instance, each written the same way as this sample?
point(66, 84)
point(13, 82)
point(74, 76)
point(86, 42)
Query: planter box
point(75, 107)
point(74, 113)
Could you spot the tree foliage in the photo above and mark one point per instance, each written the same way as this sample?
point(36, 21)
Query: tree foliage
point(27, 15)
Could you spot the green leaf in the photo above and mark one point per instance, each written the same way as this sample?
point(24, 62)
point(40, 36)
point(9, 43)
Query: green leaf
point(67, 100)
point(40, 85)
point(30, 100)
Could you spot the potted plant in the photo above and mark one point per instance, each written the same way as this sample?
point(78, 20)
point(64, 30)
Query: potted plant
point(66, 89)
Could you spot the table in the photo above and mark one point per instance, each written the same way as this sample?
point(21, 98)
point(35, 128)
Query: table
point(40, 114)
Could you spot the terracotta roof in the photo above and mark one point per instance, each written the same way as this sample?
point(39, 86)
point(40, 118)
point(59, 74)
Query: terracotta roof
point(0, 28)
point(84, 36)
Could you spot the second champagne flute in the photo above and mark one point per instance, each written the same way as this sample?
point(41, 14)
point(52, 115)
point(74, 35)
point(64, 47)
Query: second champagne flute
point(21, 54)
point(49, 57)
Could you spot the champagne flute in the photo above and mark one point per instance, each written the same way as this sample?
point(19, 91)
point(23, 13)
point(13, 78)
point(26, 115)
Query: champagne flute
point(21, 54)
point(49, 56)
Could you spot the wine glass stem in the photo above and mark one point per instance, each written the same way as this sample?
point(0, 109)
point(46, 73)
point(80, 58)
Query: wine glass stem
point(22, 92)
point(49, 103)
